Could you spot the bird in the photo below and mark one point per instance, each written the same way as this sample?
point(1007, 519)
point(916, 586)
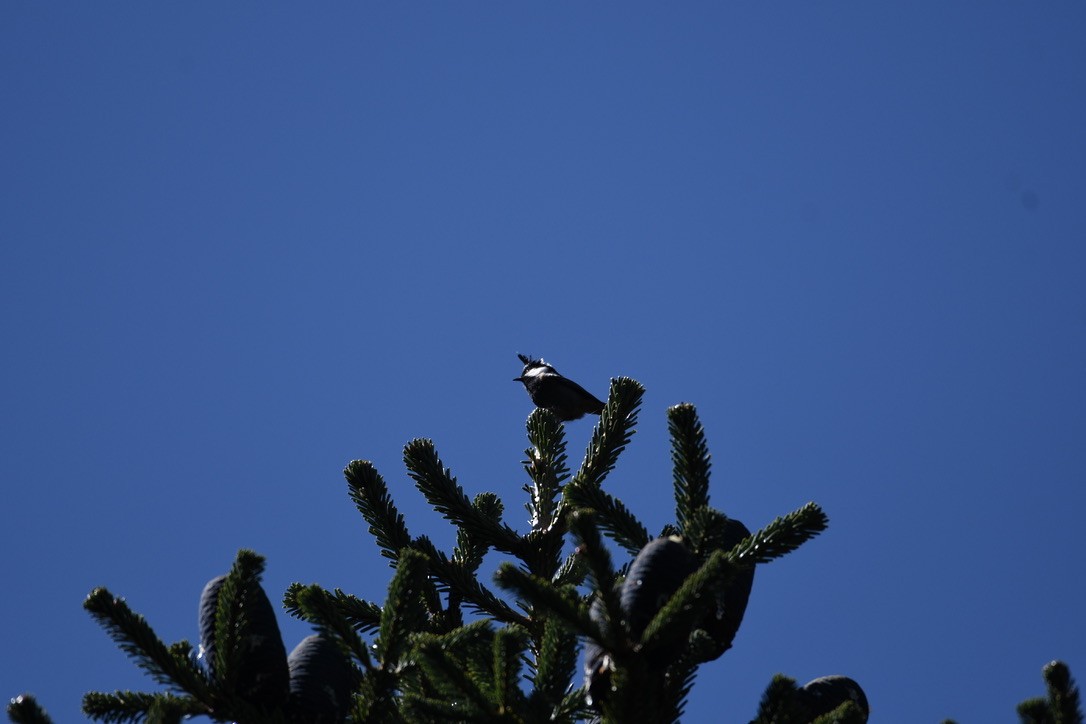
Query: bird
point(551, 391)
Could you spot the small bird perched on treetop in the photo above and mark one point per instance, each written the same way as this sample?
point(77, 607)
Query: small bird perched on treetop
point(563, 397)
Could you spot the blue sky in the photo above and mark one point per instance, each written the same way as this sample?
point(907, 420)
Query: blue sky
point(243, 245)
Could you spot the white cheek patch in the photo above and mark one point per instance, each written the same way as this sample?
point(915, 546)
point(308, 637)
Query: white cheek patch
point(540, 371)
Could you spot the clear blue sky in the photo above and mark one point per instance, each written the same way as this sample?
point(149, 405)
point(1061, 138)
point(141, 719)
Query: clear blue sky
point(243, 245)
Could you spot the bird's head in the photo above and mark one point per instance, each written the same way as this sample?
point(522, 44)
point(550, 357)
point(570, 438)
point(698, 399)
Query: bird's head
point(533, 368)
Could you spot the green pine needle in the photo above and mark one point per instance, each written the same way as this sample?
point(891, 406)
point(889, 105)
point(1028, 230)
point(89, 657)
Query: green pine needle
point(573, 708)
point(425, 709)
point(782, 536)
point(454, 578)
point(327, 611)
point(614, 518)
point(1035, 711)
point(436, 482)
point(232, 624)
point(370, 495)
point(1063, 695)
point(613, 432)
point(509, 647)
point(690, 460)
point(848, 713)
point(571, 572)
point(543, 595)
point(556, 662)
point(363, 616)
point(546, 466)
point(452, 679)
point(705, 530)
point(777, 704)
point(135, 706)
point(24, 709)
point(403, 612)
point(591, 548)
point(135, 637)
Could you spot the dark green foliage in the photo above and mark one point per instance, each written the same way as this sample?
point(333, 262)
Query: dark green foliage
point(1060, 706)
point(240, 636)
point(690, 459)
point(338, 615)
point(362, 616)
point(171, 666)
point(24, 709)
point(125, 706)
point(618, 523)
point(446, 647)
point(442, 492)
point(785, 703)
point(546, 467)
point(246, 678)
point(613, 433)
point(367, 489)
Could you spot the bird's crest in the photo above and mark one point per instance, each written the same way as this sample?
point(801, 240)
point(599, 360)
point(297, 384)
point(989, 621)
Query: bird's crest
point(534, 367)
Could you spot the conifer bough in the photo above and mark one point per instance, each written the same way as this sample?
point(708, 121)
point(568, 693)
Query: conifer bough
point(414, 657)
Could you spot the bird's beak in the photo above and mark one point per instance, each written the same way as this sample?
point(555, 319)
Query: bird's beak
point(518, 379)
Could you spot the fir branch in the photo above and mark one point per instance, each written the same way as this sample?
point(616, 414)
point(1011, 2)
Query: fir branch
point(601, 570)
point(779, 702)
point(848, 713)
point(434, 586)
point(450, 677)
point(556, 663)
point(782, 536)
point(509, 646)
point(489, 505)
point(573, 708)
point(377, 697)
point(1035, 711)
point(441, 490)
point(612, 433)
point(452, 577)
point(683, 672)
point(134, 706)
point(473, 645)
point(363, 616)
point(370, 495)
point(540, 593)
point(546, 466)
point(25, 709)
point(468, 635)
point(572, 572)
point(232, 617)
point(137, 639)
point(690, 460)
point(590, 547)
point(403, 613)
point(425, 709)
point(1063, 695)
point(470, 549)
point(326, 610)
point(616, 521)
point(542, 548)
point(706, 530)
